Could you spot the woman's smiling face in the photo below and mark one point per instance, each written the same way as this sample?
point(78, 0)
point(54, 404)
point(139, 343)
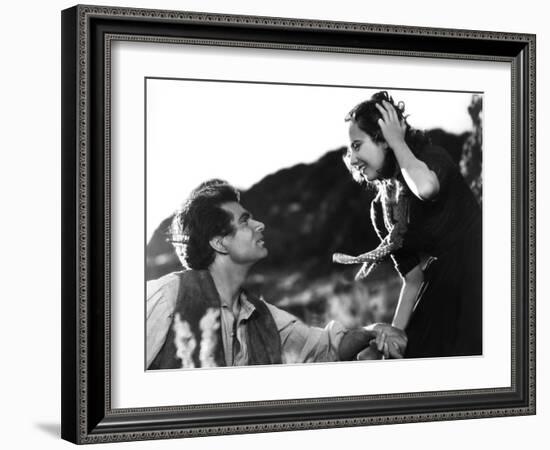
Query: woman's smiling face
point(365, 155)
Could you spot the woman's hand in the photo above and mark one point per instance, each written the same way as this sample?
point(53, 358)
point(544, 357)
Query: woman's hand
point(392, 128)
point(422, 182)
point(390, 341)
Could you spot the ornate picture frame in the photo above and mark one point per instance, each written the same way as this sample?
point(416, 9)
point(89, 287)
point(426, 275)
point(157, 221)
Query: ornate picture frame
point(88, 33)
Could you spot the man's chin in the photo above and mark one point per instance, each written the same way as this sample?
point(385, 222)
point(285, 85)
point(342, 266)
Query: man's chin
point(263, 254)
point(261, 244)
point(258, 256)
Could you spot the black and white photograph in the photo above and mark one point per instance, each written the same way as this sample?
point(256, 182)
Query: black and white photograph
point(275, 224)
point(320, 224)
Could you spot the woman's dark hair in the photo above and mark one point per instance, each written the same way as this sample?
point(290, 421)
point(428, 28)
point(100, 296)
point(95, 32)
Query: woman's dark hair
point(200, 219)
point(366, 115)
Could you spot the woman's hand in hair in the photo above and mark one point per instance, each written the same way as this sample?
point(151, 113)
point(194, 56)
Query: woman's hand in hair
point(422, 182)
point(392, 128)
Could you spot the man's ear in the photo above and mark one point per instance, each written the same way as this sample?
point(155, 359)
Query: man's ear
point(217, 244)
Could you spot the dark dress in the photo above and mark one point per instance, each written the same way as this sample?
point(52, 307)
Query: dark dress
point(447, 318)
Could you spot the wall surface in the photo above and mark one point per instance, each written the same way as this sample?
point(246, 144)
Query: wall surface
point(30, 190)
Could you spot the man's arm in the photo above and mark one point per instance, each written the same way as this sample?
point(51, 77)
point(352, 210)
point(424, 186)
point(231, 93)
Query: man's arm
point(301, 343)
point(161, 302)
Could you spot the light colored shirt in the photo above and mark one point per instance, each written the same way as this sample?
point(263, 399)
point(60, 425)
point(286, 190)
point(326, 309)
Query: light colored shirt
point(300, 343)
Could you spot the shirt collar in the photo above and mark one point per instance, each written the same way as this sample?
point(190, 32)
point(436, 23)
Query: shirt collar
point(247, 308)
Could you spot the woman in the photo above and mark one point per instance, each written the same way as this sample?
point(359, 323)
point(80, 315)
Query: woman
point(428, 221)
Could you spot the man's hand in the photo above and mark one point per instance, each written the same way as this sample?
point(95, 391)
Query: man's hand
point(370, 353)
point(390, 341)
point(354, 341)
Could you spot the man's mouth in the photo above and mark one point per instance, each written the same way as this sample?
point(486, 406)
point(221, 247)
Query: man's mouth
point(260, 242)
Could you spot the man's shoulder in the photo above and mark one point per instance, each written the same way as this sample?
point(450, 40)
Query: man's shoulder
point(281, 317)
point(168, 282)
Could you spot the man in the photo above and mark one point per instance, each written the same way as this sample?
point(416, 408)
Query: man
point(203, 317)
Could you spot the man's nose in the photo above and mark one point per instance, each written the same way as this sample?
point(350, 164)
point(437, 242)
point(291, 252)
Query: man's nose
point(260, 226)
point(352, 158)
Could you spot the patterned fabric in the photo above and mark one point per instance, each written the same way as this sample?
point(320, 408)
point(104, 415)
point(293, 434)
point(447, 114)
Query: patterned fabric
point(394, 199)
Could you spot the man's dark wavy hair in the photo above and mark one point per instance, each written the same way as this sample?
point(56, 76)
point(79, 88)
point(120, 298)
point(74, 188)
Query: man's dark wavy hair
point(200, 219)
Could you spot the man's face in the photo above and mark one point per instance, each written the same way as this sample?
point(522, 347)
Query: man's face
point(245, 245)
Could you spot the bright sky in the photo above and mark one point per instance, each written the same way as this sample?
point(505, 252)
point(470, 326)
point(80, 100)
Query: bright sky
point(241, 132)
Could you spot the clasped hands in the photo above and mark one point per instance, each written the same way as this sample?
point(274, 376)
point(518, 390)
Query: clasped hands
point(389, 342)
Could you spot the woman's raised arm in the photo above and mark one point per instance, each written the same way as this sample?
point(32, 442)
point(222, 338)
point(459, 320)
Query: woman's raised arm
point(422, 181)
